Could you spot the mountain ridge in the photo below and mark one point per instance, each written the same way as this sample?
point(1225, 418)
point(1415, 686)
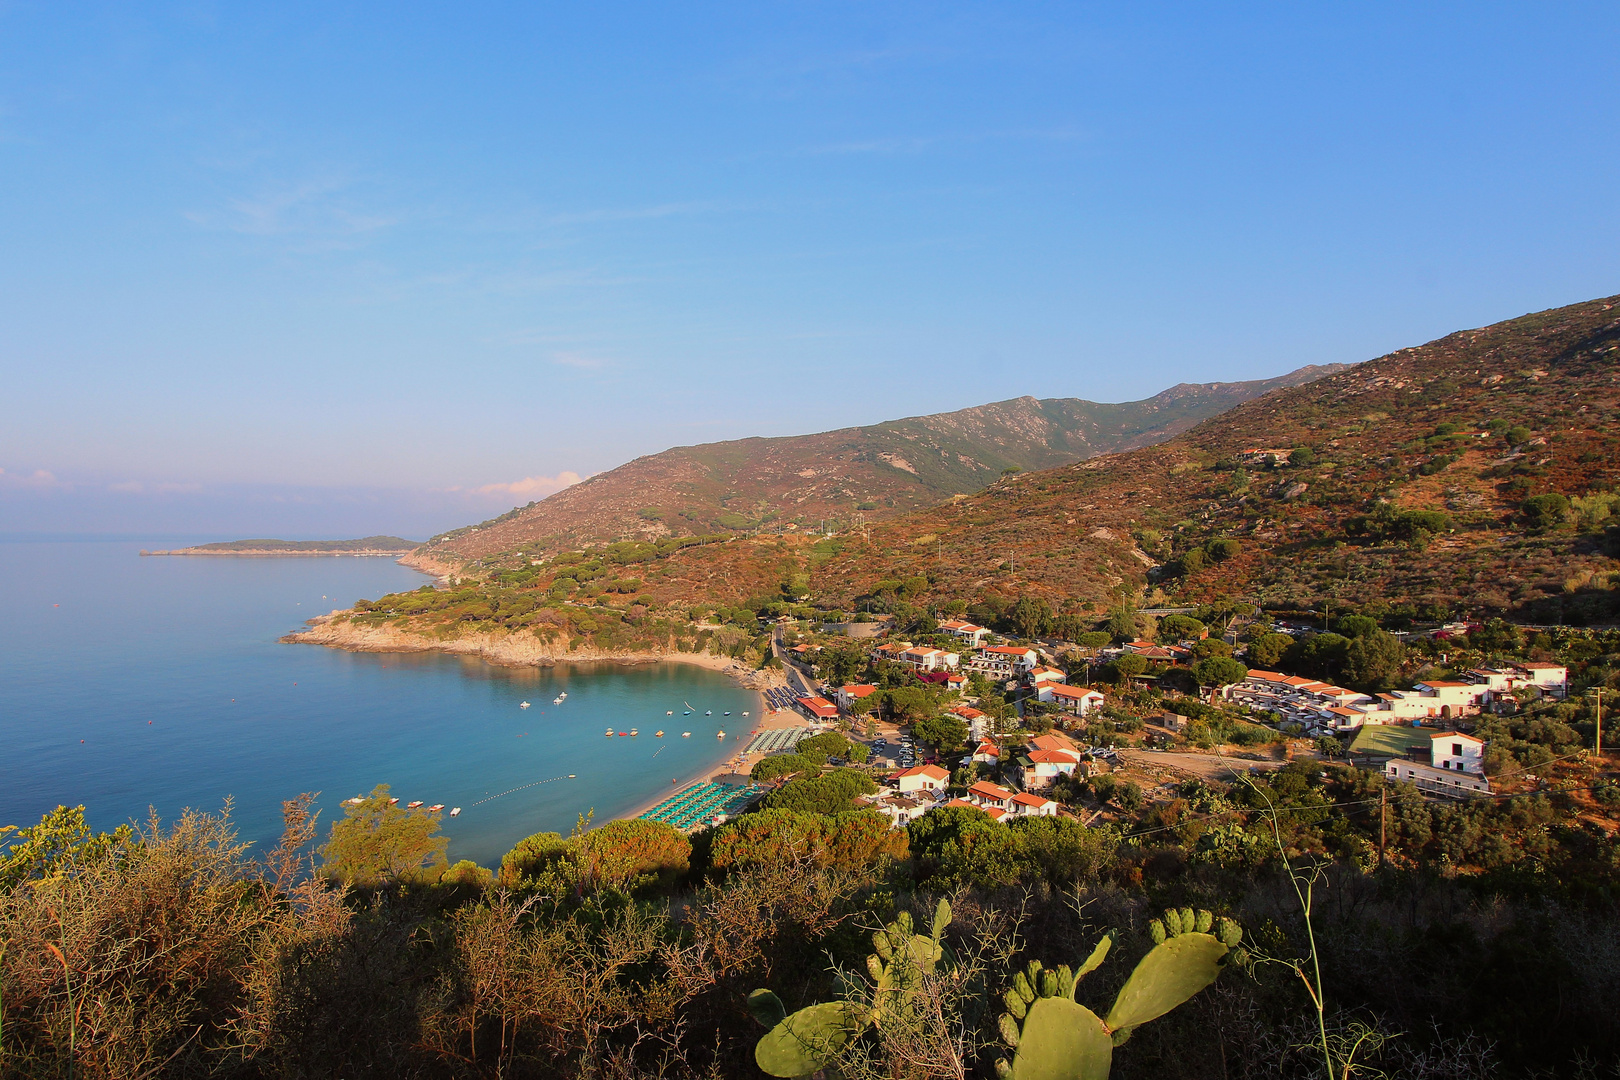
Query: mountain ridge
point(848, 474)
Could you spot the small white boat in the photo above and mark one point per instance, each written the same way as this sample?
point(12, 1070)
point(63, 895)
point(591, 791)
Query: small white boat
point(393, 802)
point(728, 712)
point(721, 735)
point(356, 801)
point(709, 713)
point(745, 712)
point(436, 807)
point(455, 811)
point(686, 734)
point(556, 701)
point(659, 734)
point(523, 704)
point(608, 733)
point(570, 776)
point(635, 731)
point(413, 804)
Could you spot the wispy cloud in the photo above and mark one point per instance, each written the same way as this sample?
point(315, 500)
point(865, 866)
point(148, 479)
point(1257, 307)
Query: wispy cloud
point(309, 209)
point(583, 361)
point(530, 487)
point(38, 480)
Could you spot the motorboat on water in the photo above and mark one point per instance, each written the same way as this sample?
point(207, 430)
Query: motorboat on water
point(523, 704)
point(455, 811)
point(728, 712)
point(635, 731)
point(686, 734)
point(669, 712)
point(721, 735)
point(709, 713)
point(436, 807)
point(609, 733)
point(659, 734)
point(413, 805)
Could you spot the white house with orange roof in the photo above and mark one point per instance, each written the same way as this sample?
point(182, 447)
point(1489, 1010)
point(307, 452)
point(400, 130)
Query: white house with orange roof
point(922, 778)
point(978, 723)
point(1047, 674)
point(1079, 700)
point(851, 693)
point(924, 658)
point(890, 651)
point(1027, 805)
point(984, 793)
point(986, 753)
point(1455, 769)
point(968, 633)
point(1042, 760)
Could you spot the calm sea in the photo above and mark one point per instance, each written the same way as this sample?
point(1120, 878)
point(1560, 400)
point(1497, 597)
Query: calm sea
point(128, 683)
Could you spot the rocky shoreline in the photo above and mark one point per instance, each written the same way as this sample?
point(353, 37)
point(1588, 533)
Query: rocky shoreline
point(336, 631)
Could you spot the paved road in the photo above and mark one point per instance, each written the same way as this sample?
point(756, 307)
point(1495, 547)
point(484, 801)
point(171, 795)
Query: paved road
point(797, 680)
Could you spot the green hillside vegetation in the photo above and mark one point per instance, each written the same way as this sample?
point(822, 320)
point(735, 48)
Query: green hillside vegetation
point(843, 476)
point(1478, 474)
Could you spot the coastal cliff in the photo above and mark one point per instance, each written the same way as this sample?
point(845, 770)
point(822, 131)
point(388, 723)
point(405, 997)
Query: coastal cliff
point(508, 649)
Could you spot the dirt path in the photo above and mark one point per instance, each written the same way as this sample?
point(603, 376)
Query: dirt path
point(1207, 766)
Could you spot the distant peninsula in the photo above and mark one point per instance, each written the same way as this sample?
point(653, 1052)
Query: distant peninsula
point(368, 545)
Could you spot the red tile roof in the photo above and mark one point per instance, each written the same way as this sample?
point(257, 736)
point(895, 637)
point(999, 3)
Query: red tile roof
point(933, 772)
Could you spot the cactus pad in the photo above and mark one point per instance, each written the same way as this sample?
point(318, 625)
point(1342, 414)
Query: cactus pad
point(805, 1041)
point(766, 1007)
point(1167, 976)
point(1062, 1041)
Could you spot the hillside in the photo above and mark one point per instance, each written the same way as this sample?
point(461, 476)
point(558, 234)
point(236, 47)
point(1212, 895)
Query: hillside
point(1411, 493)
point(874, 472)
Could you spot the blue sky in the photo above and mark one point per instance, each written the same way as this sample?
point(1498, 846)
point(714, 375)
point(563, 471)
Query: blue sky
point(343, 267)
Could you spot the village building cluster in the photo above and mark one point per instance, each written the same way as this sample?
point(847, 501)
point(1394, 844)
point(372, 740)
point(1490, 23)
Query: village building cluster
point(1014, 774)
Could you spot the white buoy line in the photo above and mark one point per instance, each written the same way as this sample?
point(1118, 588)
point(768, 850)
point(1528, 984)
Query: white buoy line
point(520, 787)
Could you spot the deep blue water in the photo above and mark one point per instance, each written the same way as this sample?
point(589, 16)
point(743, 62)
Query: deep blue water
point(128, 683)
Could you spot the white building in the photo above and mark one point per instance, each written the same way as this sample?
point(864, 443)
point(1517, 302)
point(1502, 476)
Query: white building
point(922, 778)
point(965, 632)
point(1079, 700)
point(1551, 679)
point(1456, 768)
point(1004, 661)
point(925, 659)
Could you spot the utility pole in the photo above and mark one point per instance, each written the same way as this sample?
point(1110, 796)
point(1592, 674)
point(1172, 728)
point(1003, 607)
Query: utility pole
point(1383, 796)
point(1598, 743)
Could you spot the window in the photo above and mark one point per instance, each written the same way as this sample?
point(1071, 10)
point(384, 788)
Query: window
point(1456, 749)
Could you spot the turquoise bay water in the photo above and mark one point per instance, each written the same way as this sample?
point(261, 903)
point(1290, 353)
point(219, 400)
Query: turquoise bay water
point(128, 683)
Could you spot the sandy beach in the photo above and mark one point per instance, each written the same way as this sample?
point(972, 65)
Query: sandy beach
point(759, 721)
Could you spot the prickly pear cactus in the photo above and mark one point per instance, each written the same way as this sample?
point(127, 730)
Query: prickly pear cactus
point(809, 1039)
point(1055, 1038)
